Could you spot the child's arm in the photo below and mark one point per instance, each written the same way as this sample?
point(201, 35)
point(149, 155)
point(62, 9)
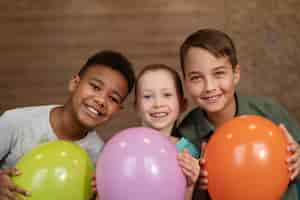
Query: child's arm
point(8, 189)
point(189, 193)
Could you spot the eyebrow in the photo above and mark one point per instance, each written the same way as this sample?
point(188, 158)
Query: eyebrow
point(151, 90)
point(98, 81)
point(214, 69)
point(147, 91)
point(193, 73)
point(220, 67)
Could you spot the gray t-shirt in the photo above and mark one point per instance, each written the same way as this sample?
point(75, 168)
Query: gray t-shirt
point(22, 129)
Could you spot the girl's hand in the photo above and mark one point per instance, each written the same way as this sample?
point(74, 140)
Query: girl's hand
point(8, 189)
point(293, 161)
point(190, 167)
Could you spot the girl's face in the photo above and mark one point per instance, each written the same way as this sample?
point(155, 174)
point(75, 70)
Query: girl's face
point(210, 81)
point(157, 100)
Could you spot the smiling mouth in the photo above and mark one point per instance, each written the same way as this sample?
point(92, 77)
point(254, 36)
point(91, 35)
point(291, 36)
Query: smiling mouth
point(159, 114)
point(211, 99)
point(94, 111)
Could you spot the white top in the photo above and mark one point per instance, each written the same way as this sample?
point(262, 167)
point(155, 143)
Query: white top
point(22, 129)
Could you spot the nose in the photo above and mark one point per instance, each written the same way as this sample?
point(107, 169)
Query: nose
point(210, 84)
point(157, 101)
point(101, 100)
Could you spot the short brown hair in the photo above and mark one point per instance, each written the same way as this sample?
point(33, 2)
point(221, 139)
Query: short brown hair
point(214, 41)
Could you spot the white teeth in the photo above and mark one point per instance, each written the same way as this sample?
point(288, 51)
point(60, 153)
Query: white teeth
point(93, 110)
point(211, 98)
point(159, 114)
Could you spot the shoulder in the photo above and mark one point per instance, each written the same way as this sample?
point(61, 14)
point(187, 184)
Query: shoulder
point(26, 112)
point(271, 109)
point(25, 119)
point(262, 105)
point(256, 100)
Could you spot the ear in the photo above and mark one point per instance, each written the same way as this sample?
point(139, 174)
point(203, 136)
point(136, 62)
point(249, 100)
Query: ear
point(236, 74)
point(184, 105)
point(73, 83)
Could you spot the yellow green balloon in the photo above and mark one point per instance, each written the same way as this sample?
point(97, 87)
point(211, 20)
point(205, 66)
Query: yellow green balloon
point(57, 170)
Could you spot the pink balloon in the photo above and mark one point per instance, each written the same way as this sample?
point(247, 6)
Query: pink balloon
point(139, 164)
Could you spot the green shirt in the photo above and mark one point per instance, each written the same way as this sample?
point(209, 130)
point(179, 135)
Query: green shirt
point(196, 128)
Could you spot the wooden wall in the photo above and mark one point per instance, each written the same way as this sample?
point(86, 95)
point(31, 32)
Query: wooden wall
point(43, 43)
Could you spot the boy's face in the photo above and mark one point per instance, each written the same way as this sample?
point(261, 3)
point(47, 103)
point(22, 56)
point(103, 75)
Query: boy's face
point(209, 80)
point(157, 100)
point(97, 95)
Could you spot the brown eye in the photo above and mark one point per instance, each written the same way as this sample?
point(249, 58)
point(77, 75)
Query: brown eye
point(220, 74)
point(168, 94)
point(115, 100)
point(195, 78)
point(95, 87)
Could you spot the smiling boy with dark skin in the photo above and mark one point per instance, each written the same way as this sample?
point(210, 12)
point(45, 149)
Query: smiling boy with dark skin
point(96, 93)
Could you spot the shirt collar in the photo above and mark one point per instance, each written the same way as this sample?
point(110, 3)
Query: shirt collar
point(206, 128)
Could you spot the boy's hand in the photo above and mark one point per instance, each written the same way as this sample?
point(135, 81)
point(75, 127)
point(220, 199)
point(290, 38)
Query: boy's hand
point(190, 167)
point(293, 161)
point(7, 187)
point(203, 180)
point(94, 188)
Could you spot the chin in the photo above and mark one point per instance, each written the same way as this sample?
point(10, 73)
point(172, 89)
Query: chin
point(158, 128)
point(214, 110)
point(92, 124)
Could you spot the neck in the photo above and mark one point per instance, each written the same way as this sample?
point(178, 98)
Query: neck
point(65, 126)
point(218, 118)
point(167, 131)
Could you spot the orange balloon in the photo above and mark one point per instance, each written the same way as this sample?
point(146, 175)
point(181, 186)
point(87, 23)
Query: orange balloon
point(245, 160)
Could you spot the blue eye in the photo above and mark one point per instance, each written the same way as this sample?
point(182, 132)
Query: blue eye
point(147, 96)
